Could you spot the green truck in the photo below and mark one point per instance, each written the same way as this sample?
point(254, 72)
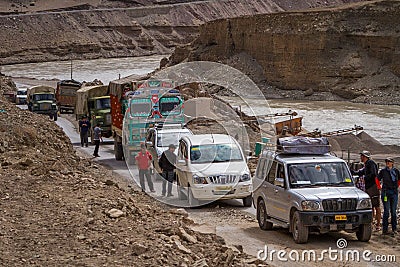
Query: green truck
point(94, 102)
point(41, 99)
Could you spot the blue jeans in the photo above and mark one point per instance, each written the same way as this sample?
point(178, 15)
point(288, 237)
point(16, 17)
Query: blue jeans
point(389, 205)
point(168, 176)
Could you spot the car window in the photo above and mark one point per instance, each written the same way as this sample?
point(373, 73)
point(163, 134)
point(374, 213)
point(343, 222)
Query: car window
point(260, 171)
point(327, 173)
point(272, 172)
point(182, 152)
point(215, 153)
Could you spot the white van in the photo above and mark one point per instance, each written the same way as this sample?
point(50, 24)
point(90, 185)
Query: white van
point(212, 167)
point(21, 96)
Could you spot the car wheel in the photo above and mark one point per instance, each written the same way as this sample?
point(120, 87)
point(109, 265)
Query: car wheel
point(299, 231)
point(118, 151)
point(364, 232)
point(262, 216)
point(247, 201)
point(55, 117)
point(193, 202)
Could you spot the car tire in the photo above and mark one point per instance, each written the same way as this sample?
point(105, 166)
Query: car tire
point(299, 231)
point(262, 216)
point(118, 151)
point(193, 202)
point(247, 201)
point(55, 116)
point(364, 232)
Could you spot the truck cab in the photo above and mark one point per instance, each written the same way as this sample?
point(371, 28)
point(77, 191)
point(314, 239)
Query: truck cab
point(305, 189)
point(41, 99)
point(99, 109)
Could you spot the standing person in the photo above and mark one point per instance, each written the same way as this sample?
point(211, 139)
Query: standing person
point(143, 160)
point(389, 177)
point(84, 126)
point(370, 172)
point(167, 164)
point(97, 137)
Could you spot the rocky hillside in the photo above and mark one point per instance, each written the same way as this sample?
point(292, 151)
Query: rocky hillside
point(58, 30)
point(350, 52)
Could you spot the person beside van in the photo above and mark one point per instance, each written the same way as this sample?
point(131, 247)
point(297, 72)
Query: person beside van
point(97, 137)
point(84, 127)
point(389, 176)
point(167, 164)
point(143, 160)
point(370, 172)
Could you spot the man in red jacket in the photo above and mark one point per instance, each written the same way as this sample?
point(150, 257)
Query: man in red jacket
point(143, 160)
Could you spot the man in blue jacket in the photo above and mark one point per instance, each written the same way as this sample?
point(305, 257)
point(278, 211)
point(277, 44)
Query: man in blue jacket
point(389, 176)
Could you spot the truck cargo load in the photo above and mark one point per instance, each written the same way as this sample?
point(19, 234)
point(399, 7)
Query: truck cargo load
point(66, 95)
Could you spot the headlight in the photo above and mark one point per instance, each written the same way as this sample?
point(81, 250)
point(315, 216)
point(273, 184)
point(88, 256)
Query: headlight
point(199, 180)
point(35, 105)
point(364, 204)
point(311, 205)
point(245, 177)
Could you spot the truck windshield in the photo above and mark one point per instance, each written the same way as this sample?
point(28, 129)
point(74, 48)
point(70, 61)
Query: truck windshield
point(39, 97)
point(166, 139)
point(215, 153)
point(103, 103)
point(170, 105)
point(140, 107)
point(319, 174)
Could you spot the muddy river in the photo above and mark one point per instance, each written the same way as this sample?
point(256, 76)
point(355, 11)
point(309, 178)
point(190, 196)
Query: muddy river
point(381, 122)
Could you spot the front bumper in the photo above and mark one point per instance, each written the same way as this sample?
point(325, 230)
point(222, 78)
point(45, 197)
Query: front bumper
point(326, 220)
point(222, 191)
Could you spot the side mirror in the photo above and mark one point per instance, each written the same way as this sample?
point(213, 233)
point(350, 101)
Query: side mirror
point(182, 162)
point(279, 182)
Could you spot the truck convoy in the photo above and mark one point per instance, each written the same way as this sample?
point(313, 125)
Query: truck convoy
point(41, 99)
point(146, 102)
point(66, 95)
point(94, 103)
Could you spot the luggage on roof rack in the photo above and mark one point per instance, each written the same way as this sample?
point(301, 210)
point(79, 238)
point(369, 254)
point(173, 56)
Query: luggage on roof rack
point(303, 145)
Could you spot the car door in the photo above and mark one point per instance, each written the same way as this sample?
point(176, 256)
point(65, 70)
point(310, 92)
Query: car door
point(182, 163)
point(274, 191)
point(281, 196)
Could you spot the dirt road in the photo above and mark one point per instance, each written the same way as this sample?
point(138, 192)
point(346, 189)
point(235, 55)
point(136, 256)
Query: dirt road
point(238, 226)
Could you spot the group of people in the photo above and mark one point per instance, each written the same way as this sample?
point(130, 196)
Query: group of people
point(84, 129)
point(167, 164)
point(380, 185)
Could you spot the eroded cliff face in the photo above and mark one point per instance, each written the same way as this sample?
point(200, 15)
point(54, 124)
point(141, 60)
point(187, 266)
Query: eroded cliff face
point(58, 30)
point(352, 52)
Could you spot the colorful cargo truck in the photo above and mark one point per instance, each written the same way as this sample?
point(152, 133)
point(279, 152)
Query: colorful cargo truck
point(66, 95)
point(94, 102)
point(146, 103)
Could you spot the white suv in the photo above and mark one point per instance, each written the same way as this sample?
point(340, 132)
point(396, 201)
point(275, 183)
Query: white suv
point(212, 167)
point(159, 138)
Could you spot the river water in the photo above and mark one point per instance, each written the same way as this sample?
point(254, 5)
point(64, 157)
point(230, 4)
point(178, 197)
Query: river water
point(381, 122)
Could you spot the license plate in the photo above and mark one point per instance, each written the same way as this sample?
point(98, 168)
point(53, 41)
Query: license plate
point(340, 217)
point(223, 188)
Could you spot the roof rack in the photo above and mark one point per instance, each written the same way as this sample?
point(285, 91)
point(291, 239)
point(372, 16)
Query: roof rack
point(303, 145)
